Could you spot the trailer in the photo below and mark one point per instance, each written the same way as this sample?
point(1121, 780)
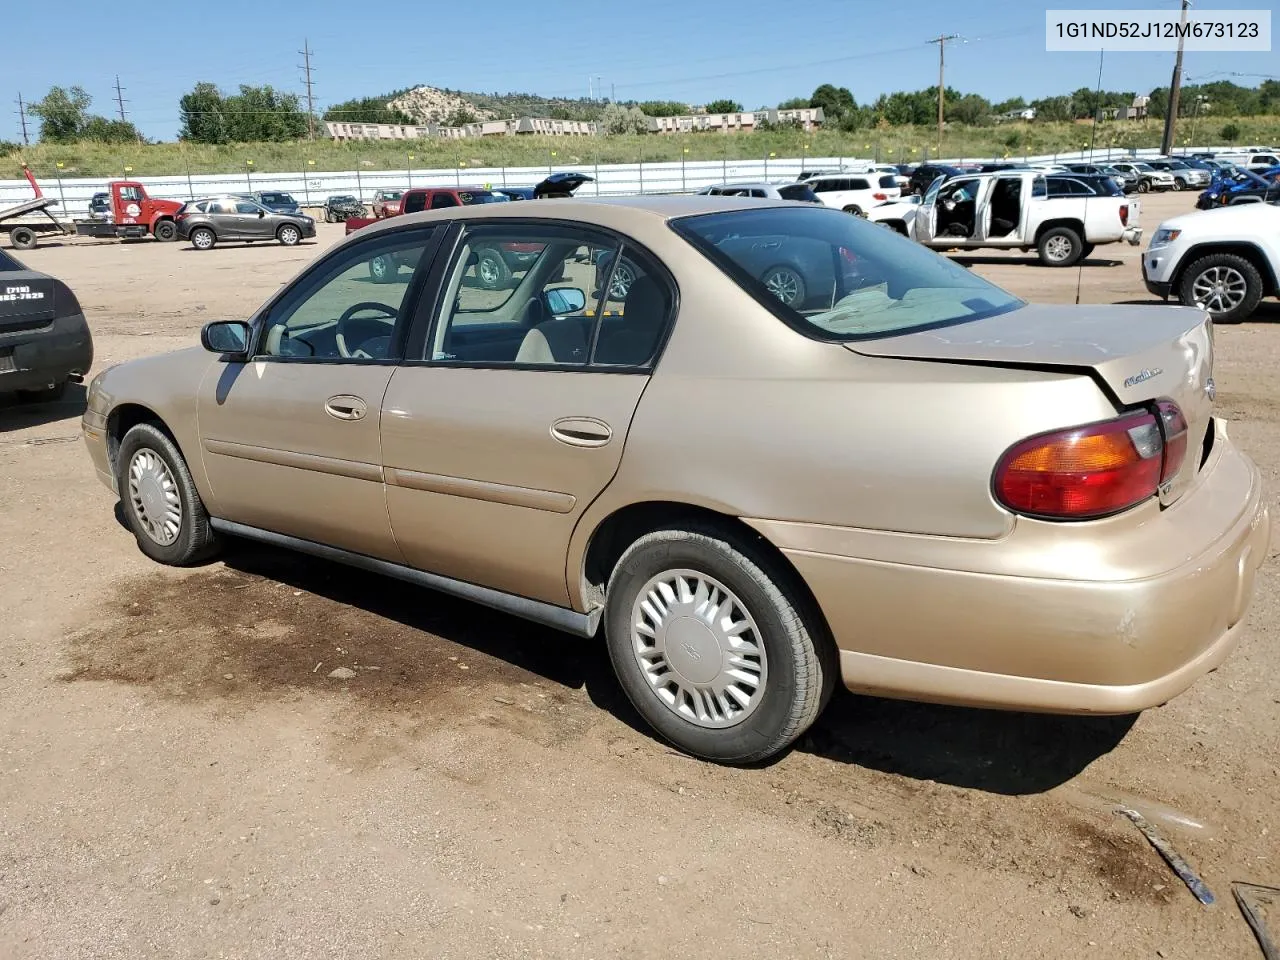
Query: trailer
point(24, 235)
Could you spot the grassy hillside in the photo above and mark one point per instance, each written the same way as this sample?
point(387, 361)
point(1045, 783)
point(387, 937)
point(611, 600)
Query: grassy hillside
point(896, 144)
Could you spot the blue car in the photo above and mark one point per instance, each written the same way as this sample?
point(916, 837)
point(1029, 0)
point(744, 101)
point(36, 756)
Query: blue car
point(1238, 185)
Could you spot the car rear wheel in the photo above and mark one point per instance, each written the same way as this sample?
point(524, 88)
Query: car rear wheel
point(22, 238)
point(289, 235)
point(492, 271)
point(1144, 186)
point(1060, 247)
point(166, 231)
point(714, 646)
point(160, 501)
point(382, 269)
point(785, 284)
point(854, 209)
point(1228, 287)
point(202, 238)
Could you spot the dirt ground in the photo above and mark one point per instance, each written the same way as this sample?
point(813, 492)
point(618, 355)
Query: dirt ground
point(180, 778)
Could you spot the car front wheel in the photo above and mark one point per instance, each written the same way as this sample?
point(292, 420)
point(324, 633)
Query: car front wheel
point(1060, 247)
point(714, 647)
point(289, 235)
point(160, 501)
point(785, 284)
point(1228, 287)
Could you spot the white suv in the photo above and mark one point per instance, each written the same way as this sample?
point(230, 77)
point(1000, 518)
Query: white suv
point(856, 193)
point(1223, 261)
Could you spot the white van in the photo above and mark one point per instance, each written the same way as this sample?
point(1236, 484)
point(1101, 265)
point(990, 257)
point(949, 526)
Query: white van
point(855, 193)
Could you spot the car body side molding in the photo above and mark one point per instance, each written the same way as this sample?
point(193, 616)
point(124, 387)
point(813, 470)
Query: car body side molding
point(561, 618)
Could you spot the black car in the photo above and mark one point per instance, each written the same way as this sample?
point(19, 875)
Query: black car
point(277, 202)
point(44, 339)
point(926, 173)
point(554, 185)
point(99, 206)
point(341, 206)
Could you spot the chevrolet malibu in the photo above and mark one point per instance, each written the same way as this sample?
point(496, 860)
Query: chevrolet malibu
point(909, 481)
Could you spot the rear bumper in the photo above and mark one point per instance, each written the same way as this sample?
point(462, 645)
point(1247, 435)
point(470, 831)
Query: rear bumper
point(1133, 236)
point(1070, 635)
point(47, 357)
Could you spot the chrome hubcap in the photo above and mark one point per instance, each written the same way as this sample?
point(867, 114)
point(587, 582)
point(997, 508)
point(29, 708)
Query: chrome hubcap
point(289, 235)
point(378, 266)
point(1220, 289)
point(783, 284)
point(489, 272)
point(620, 286)
point(1058, 248)
point(155, 498)
point(202, 239)
point(699, 648)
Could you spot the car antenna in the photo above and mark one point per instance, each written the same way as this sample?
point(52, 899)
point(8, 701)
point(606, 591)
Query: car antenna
point(1093, 138)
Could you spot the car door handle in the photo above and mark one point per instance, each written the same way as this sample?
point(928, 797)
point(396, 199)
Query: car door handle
point(345, 408)
point(582, 431)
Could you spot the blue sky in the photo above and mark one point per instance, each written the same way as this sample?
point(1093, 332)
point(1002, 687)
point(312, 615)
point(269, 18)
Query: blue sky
point(692, 50)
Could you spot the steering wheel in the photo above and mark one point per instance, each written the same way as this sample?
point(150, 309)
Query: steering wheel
point(349, 346)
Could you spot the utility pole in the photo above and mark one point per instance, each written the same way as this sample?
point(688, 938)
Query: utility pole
point(941, 41)
point(120, 100)
point(22, 116)
point(311, 102)
point(1175, 84)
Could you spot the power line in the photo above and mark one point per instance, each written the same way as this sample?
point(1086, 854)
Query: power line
point(22, 116)
point(311, 103)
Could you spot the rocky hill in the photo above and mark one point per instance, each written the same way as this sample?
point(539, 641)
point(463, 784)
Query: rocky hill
point(431, 105)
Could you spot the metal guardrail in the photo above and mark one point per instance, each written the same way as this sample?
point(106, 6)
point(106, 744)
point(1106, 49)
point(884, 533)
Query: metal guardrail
point(617, 179)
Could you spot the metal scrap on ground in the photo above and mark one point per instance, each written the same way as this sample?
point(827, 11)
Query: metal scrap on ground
point(1251, 898)
point(1171, 856)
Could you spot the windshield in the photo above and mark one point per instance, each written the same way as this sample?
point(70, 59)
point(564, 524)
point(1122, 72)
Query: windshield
point(276, 198)
point(1144, 167)
point(838, 277)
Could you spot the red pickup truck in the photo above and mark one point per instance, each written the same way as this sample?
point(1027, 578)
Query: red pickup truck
point(429, 198)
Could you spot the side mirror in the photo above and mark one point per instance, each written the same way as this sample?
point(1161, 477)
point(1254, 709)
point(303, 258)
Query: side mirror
point(261, 214)
point(226, 337)
point(562, 300)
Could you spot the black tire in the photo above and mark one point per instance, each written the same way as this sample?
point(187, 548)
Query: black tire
point(1179, 184)
point(787, 278)
point(47, 395)
point(1223, 261)
point(1144, 186)
point(1087, 251)
point(800, 657)
point(202, 238)
point(1055, 238)
point(22, 238)
point(328, 216)
point(492, 272)
point(854, 209)
point(166, 231)
point(288, 235)
point(195, 539)
point(383, 268)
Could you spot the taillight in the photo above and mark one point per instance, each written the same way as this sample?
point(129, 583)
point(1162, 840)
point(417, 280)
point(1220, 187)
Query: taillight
point(1173, 426)
point(880, 196)
point(1124, 214)
point(1094, 470)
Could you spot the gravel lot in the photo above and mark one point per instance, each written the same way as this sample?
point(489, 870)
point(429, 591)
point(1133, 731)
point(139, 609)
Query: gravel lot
point(180, 778)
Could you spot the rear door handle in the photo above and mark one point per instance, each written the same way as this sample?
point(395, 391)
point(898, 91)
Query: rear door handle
point(582, 431)
point(345, 407)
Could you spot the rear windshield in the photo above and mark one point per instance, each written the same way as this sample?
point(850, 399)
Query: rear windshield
point(888, 182)
point(276, 198)
point(838, 277)
point(798, 191)
point(478, 196)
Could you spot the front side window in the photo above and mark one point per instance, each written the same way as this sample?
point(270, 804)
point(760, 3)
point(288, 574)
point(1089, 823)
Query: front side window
point(131, 193)
point(349, 306)
point(859, 184)
point(838, 277)
point(548, 295)
point(248, 208)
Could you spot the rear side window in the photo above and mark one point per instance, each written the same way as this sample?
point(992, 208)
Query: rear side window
point(836, 277)
point(858, 183)
point(888, 182)
point(798, 191)
point(414, 203)
point(439, 200)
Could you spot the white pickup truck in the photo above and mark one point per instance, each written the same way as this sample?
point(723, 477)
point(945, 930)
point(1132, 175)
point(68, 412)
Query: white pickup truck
point(1061, 215)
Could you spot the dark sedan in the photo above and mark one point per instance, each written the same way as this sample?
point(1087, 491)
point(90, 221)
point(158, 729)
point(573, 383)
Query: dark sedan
point(278, 202)
point(44, 339)
point(926, 173)
point(213, 220)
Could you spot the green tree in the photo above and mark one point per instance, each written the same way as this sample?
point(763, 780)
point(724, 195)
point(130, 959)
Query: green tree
point(795, 103)
point(264, 114)
point(663, 108)
point(971, 109)
point(460, 118)
point(724, 106)
point(63, 114)
point(1231, 133)
point(203, 113)
point(617, 119)
point(367, 110)
point(834, 101)
point(102, 130)
point(1010, 105)
point(1052, 108)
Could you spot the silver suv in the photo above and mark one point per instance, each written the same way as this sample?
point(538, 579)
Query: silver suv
point(212, 220)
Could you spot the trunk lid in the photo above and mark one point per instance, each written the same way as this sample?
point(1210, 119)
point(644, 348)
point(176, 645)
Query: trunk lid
point(1138, 354)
